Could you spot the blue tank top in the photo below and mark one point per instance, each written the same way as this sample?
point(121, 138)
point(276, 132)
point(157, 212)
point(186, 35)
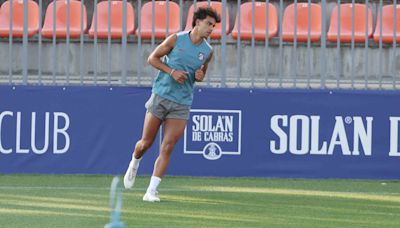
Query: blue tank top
point(185, 56)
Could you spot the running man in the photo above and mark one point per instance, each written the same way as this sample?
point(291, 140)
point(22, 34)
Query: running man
point(187, 55)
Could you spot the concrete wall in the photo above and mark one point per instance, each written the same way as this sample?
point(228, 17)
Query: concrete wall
point(263, 65)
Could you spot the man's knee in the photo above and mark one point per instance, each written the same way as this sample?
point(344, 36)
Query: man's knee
point(144, 144)
point(168, 146)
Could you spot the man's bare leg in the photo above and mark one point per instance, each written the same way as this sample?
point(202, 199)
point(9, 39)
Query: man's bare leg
point(150, 129)
point(173, 130)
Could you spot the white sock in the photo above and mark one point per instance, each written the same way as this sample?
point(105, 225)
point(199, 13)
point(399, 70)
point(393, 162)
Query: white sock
point(135, 162)
point(154, 182)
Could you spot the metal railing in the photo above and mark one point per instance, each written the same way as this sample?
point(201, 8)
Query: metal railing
point(268, 63)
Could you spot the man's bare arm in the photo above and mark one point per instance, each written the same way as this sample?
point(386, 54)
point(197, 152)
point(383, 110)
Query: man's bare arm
point(161, 50)
point(164, 49)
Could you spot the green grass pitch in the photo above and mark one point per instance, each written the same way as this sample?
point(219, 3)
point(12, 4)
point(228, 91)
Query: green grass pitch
point(83, 201)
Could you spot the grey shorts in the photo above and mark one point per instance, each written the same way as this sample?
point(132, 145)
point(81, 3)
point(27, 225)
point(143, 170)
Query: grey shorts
point(165, 109)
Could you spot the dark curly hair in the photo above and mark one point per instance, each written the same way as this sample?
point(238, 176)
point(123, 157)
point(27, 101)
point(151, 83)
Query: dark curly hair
point(202, 12)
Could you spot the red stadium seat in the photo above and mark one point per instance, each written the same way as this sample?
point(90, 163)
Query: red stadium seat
point(387, 24)
point(289, 21)
point(4, 23)
point(260, 21)
point(217, 6)
point(61, 19)
point(346, 24)
point(18, 18)
point(160, 26)
point(116, 20)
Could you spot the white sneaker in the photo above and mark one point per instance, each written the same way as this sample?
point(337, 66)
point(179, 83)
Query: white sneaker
point(130, 175)
point(151, 197)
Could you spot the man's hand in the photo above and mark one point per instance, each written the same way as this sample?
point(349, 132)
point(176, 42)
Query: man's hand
point(199, 75)
point(180, 76)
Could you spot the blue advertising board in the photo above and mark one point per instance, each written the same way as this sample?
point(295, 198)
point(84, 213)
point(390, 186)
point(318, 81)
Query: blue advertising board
point(231, 132)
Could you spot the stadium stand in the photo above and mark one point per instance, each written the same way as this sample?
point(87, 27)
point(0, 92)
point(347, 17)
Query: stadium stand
point(388, 24)
point(260, 21)
point(61, 19)
point(116, 20)
point(18, 18)
point(301, 21)
point(160, 19)
point(3, 21)
point(272, 61)
point(346, 23)
point(175, 15)
point(217, 32)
